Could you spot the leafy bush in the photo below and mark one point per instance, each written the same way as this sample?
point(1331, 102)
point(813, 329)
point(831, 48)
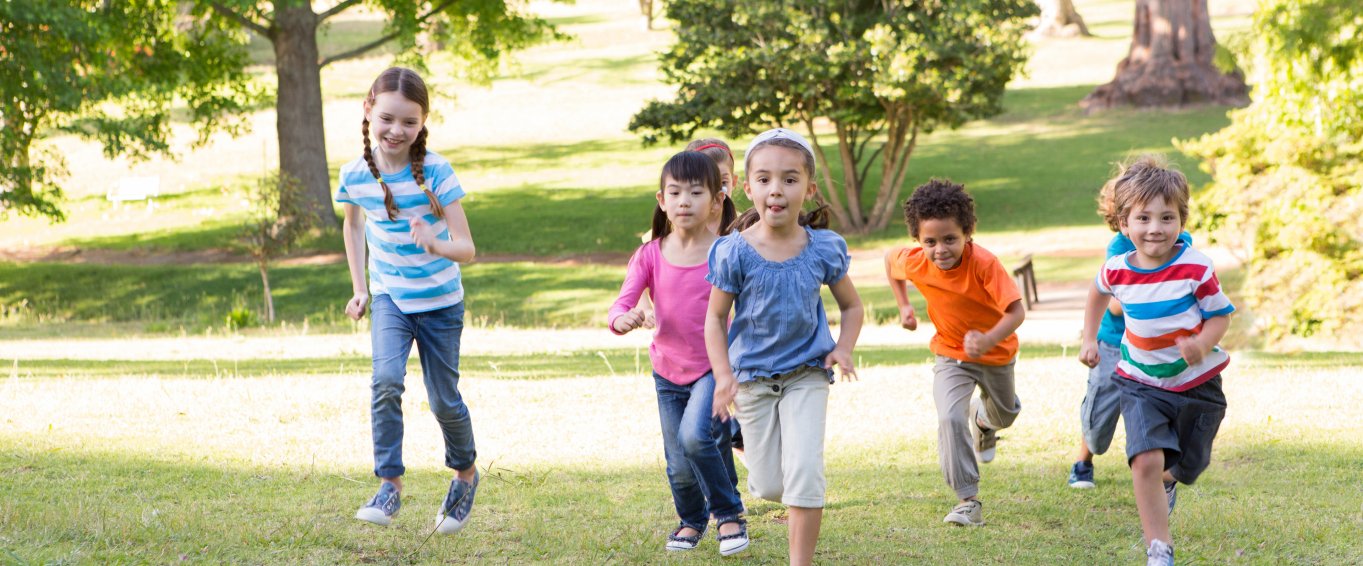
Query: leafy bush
point(1287, 172)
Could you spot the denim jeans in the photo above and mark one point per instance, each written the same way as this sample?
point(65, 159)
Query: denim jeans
point(437, 341)
point(701, 482)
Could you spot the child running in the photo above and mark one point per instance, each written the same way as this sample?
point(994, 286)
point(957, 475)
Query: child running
point(402, 206)
point(976, 309)
point(1170, 365)
point(775, 362)
point(672, 268)
point(1101, 406)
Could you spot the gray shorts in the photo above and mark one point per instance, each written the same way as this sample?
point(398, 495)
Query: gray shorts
point(1183, 424)
point(1102, 402)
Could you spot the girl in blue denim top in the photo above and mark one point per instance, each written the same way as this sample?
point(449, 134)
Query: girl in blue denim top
point(775, 362)
point(403, 211)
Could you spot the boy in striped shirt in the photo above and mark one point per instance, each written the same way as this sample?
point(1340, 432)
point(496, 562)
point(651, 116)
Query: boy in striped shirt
point(1171, 366)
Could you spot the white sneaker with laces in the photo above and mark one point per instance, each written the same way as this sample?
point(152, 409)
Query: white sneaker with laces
point(967, 514)
point(1159, 554)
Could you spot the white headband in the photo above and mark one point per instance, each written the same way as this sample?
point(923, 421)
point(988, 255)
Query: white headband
point(779, 133)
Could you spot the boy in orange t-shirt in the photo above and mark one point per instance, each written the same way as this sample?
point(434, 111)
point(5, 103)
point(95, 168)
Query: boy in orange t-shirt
point(976, 308)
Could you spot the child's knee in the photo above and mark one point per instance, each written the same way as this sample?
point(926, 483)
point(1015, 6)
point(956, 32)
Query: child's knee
point(952, 420)
point(1148, 463)
point(449, 411)
point(770, 491)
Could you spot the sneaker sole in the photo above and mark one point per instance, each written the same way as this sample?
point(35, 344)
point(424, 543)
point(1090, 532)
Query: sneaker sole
point(677, 548)
point(734, 550)
point(962, 521)
point(372, 515)
point(1082, 485)
point(446, 525)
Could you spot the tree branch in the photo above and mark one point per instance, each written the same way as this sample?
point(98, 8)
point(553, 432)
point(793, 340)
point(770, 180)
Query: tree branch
point(246, 22)
point(361, 50)
point(338, 8)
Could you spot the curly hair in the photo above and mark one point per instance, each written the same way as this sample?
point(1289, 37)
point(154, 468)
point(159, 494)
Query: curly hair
point(940, 199)
point(1140, 180)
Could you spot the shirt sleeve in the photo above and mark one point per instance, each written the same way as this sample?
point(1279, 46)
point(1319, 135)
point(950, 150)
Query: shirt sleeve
point(342, 193)
point(832, 256)
point(1210, 299)
point(999, 284)
point(725, 271)
point(1103, 273)
point(638, 276)
point(897, 264)
point(442, 181)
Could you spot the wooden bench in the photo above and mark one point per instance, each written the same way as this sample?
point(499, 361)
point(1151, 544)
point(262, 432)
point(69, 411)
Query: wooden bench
point(135, 188)
point(1025, 277)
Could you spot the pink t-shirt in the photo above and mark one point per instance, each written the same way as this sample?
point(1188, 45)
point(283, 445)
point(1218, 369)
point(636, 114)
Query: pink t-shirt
point(680, 295)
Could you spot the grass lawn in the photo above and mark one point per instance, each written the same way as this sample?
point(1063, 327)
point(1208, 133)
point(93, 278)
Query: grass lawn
point(214, 469)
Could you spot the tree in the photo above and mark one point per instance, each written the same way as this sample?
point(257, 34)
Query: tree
point(109, 71)
point(278, 221)
point(646, 7)
point(1169, 63)
point(476, 32)
point(1060, 19)
point(879, 73)
point(1287, 189)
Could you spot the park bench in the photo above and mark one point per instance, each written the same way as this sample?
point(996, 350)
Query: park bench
point(135, 188)
point(1025, 277)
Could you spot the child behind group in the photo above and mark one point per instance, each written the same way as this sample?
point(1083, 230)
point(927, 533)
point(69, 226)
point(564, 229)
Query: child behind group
point(775, 362)
point(672, 267)
point(1170, 366)
point(416, 237)
point(1101, 406)
point(976, 308)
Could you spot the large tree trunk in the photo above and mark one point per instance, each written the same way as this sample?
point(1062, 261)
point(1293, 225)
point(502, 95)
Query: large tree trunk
point(1060, 19)
point(302, 141)
point(1170, 62)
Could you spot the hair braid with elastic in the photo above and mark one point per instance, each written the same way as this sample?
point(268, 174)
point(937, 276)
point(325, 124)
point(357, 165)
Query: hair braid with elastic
point(418, 154)
point(388, 203)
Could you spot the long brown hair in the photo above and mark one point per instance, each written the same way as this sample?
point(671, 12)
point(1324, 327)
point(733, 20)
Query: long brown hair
point(691, 167)
point(409, 84)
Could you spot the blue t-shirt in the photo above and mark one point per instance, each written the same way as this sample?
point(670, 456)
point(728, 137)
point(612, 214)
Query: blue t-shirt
point(1113, 327)
point(779, 323)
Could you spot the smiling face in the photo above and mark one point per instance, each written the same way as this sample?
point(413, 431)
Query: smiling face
point(778, 184)
point(394, 122)
point(688, 204)
point(1153, 227)
point(943, 240)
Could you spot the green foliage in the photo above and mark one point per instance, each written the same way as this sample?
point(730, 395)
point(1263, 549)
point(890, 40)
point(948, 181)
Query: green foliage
point(280, 218)
point(1288, 170)
point(108, 71)
point(240, 317)
point(879, 72)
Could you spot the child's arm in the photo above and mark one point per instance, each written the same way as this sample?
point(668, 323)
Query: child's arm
point(978, 343)
point(626, 314)
point(907, 319)
point(1194, 348)
point(460, 245)
point(353, 235)
point(1093, 315)
point(717, 348)
point(849, 302)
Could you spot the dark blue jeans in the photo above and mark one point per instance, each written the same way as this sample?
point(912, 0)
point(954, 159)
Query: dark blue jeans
point(437, 335)
point(702, 479)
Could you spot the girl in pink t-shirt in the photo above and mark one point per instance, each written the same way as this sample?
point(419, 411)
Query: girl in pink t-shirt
point(672, 267)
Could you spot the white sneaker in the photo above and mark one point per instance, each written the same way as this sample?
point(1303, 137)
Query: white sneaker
point(677, 543)
point(734, 543)
point(1159, 554)
point(968, 514)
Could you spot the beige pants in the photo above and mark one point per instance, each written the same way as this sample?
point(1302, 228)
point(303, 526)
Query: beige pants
point(783, 429)
point(953, 385)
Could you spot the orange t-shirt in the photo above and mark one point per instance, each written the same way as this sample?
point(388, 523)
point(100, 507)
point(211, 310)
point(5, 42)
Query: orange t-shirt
point(972, 296)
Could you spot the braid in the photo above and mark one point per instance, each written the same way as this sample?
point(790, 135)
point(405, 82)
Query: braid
point(418, 154)
point(374, 169)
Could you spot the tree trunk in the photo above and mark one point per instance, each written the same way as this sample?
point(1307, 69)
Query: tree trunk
point(1060, 19)
point(646, 7)
point(269, 298)
point(1170, 62)
point(302, 140)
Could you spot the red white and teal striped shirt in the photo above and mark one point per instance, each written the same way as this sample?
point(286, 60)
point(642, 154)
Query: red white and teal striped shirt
point(1162, 305)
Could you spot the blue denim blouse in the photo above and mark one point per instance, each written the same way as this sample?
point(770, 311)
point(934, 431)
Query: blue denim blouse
point(779, 323)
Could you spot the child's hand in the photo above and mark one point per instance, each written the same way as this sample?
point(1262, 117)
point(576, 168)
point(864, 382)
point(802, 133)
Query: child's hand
point(629, 320)
point(423, 235)
point(907, 318)
point(649, 320)
point(1191, 348)
point(977, 343)
point(1088, 354)
point(844, 363)
point(355, 308)
point(725, 390)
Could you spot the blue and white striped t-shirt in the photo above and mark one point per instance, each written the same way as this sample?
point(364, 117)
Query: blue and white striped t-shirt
point(416, 281)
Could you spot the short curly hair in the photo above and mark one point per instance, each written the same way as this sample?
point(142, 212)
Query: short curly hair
point(940, 199)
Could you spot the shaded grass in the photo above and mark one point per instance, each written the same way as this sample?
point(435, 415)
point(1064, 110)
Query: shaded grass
point(885, 504)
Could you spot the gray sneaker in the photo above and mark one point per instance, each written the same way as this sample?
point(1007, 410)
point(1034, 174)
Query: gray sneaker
point(454, 512)
point(1159, 554)
point(968, 514)
point(985, 439)
point(383, 507)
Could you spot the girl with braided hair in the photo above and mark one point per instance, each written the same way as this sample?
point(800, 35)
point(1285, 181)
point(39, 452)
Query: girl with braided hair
point(402, 206)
